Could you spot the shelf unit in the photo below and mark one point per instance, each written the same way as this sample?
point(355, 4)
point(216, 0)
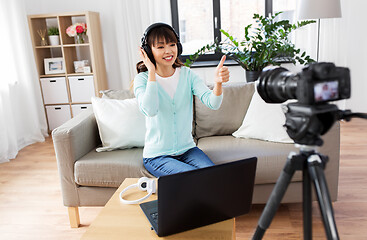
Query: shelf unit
point(59, 105)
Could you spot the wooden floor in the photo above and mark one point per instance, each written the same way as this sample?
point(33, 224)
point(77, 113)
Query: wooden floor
point(31, 203)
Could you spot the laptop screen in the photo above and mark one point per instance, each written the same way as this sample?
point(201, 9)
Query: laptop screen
point(200, 197)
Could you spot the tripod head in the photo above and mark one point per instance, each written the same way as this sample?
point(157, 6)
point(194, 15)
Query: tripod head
point(306, 123)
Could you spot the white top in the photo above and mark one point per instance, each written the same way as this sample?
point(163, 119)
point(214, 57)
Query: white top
point(169, 84)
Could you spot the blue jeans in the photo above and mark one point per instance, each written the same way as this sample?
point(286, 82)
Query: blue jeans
point(192, 159)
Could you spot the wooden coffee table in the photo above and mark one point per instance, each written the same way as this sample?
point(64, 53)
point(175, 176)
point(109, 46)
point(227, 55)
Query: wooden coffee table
point(120, 221)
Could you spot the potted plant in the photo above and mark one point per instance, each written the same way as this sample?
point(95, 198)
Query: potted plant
point(262, 45)
point(53, 36)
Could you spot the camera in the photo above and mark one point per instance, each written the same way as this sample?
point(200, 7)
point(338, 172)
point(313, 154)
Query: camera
point(317, 83)
point(313, 87)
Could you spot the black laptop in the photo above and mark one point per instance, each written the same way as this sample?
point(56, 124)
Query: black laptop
point(200, 197)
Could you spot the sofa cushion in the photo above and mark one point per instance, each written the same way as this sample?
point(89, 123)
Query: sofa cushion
point(109, 169)
point(228, 118)
point(271, 156)
point(117, 94)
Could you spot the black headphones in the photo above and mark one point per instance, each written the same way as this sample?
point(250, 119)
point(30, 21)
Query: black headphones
point(146, 47)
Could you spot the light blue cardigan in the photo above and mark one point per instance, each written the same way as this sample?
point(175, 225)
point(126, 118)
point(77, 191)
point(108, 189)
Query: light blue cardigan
point(169, 121)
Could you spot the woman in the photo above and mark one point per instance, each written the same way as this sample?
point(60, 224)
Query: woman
point(165, 89)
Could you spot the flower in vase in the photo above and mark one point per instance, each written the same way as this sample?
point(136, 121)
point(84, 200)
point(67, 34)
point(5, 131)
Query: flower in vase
point(77, 28)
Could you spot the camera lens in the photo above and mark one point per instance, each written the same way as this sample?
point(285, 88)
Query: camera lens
point(277, 85)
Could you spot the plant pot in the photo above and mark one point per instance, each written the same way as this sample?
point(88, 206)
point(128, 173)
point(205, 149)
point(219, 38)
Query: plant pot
point(252, 76)
point(54, 40)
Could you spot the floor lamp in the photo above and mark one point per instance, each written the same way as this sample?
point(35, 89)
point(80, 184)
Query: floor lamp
point(319, 9)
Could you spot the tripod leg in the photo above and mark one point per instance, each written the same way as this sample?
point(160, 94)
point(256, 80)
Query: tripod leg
point(318, 177)
point(307, 206)
point(275, 197)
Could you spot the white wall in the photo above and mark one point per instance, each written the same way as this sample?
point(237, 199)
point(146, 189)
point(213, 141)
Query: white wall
point(343, 41)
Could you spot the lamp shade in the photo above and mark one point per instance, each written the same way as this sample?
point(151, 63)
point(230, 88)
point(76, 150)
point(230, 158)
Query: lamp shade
point(317, 9)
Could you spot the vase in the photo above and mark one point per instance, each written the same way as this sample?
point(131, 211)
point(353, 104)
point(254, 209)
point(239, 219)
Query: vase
point(80, 38)
point(43, 42)
point(252, 76)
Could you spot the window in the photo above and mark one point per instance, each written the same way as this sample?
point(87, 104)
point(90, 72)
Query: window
point(198, 21)
point(288, 8)
point(192, 22)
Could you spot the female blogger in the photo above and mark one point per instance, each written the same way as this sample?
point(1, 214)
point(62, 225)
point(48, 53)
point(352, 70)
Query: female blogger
point(164, 89)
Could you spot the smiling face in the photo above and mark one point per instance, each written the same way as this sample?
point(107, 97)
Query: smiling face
point(164, 53)
point(163, 43)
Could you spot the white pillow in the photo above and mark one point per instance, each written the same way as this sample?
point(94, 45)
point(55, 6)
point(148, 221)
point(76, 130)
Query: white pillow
point(263, 121)
point(120, 123)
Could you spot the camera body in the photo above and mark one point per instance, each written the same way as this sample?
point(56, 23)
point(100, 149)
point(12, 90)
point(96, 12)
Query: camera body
point(317, 83)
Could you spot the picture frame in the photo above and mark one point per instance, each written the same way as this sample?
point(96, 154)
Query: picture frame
point(54, 65)
point(79, 66)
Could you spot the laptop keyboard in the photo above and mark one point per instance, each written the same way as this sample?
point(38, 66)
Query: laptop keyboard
point(154, 217)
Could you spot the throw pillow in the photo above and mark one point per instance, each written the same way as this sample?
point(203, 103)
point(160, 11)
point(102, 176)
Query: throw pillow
point(228, 118)
point(263, 121)
point(120, 123)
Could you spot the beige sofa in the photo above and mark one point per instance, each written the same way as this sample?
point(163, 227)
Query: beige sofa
point(89, 178)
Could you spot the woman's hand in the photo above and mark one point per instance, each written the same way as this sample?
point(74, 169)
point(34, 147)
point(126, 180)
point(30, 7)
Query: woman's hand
point(221, 76)
point(144, 57)
point(221, 72)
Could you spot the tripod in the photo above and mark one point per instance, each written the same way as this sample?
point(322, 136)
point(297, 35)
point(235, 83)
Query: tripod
point(312, 165)
point(305, 124)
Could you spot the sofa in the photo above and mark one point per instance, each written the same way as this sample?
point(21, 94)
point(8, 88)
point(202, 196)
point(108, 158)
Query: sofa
point(89, 178)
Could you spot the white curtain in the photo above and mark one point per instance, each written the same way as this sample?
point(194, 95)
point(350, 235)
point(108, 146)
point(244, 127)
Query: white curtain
point(132, 18)
point(343, 42)
point(22, 117)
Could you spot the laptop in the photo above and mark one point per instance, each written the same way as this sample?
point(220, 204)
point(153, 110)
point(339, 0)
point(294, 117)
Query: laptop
point(201, 197)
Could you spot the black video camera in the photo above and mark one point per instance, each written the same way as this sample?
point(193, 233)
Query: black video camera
point(317, 83)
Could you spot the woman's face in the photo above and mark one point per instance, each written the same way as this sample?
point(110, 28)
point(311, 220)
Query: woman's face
point(164, 53)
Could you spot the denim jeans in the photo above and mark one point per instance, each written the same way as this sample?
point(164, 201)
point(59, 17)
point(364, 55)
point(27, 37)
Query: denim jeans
point(192, 159)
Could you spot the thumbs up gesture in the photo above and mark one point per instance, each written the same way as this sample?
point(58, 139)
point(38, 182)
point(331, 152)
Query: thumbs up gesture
point(221, 72)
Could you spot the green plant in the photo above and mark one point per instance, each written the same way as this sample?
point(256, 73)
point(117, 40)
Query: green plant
point(53, 31)
point(261, 46)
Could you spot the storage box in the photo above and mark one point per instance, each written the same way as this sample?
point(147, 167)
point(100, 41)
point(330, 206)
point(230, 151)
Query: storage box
point(81, 89)
point(57, 115)
point(54, 90)
point(78, 108)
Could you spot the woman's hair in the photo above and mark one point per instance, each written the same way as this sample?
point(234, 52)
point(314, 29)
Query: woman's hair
point(154, 36)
